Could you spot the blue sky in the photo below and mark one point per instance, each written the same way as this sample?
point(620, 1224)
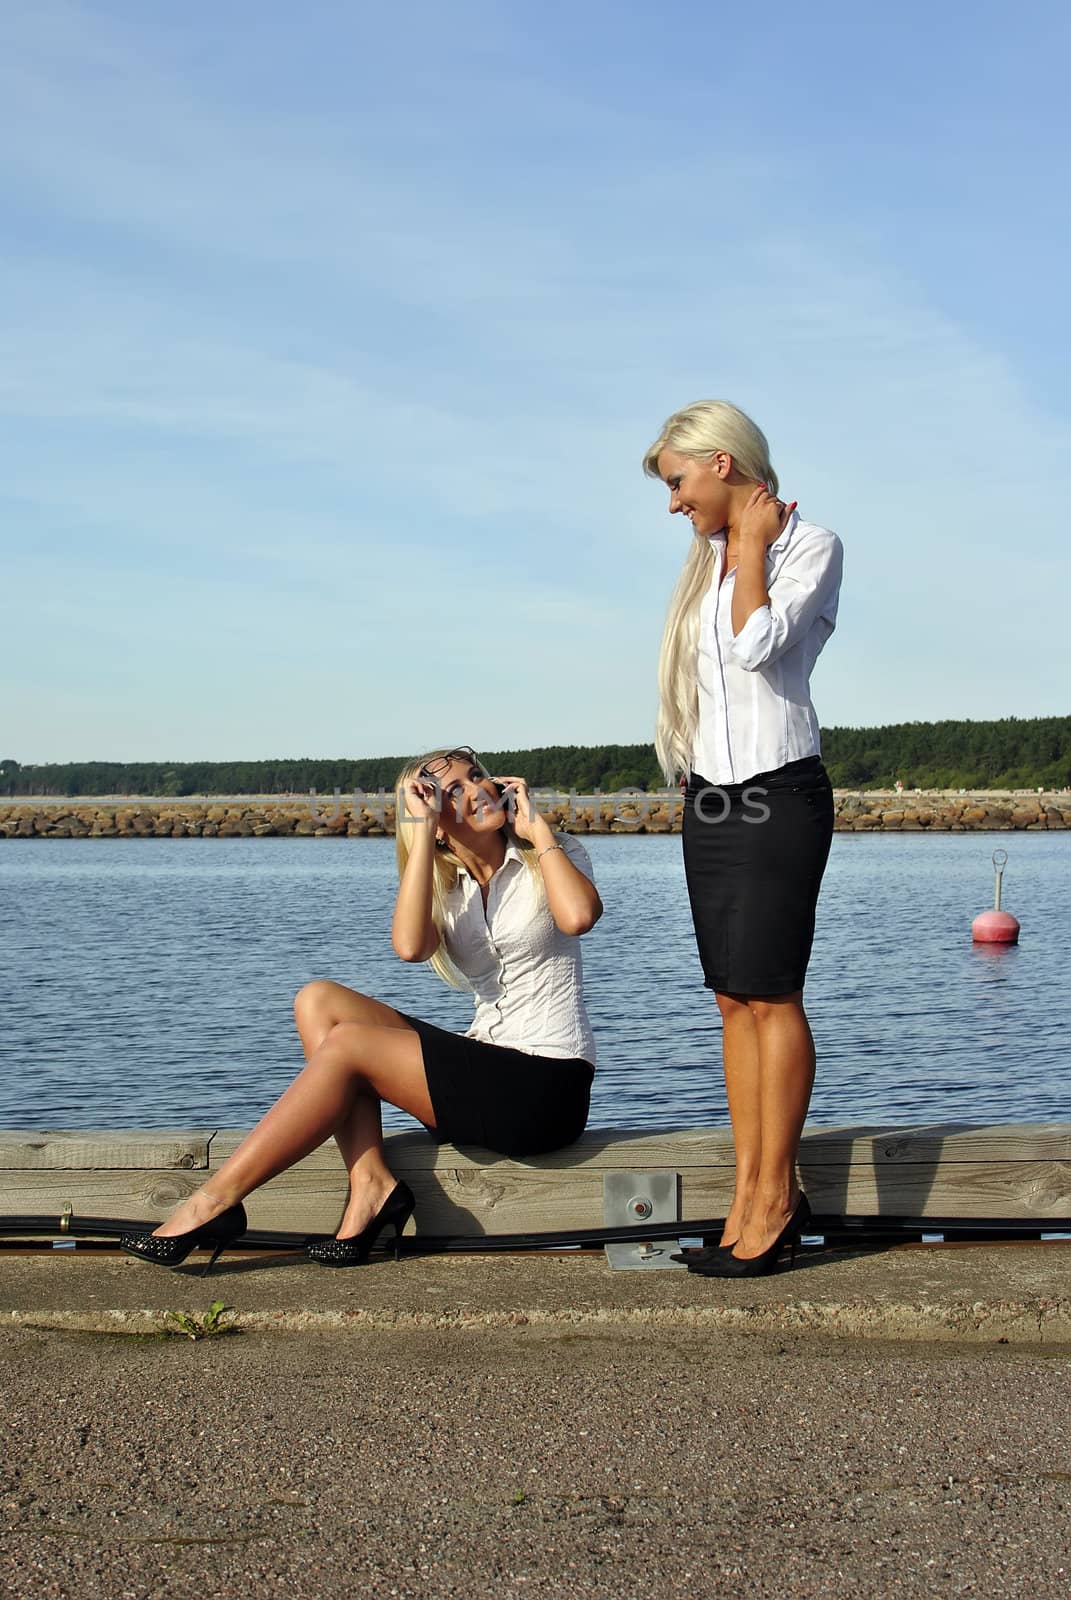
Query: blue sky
point(335, 335)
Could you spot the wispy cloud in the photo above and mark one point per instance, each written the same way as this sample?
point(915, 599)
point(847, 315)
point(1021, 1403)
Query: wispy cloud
point(352, 340)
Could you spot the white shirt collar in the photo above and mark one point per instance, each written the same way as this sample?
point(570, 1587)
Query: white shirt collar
point(786, 533)
point(779, 544)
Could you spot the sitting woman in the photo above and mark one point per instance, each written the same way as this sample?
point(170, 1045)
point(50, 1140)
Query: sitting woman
point(495, 901)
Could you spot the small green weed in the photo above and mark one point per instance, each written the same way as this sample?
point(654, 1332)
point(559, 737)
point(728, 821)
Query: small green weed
point(211, 1325)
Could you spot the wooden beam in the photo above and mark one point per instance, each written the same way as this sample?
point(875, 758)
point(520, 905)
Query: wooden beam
point(614, 1149)
point(26, 1149)
point(1018, 1171)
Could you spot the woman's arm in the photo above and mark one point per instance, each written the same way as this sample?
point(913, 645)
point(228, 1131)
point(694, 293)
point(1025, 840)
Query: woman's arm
point(573, 899)
point(762, 521)
point(804, 590)
point(413, 933)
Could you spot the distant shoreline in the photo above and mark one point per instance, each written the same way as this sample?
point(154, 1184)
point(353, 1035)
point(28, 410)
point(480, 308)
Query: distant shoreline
point(300, 797)
point(628, 811)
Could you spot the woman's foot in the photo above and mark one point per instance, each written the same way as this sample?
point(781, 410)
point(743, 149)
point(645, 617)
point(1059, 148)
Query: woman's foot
point(365, 1201)
point(765, 1221)
point(353, 1250)
point(736, 1221)
point(194, 1212)
point(171, 1250)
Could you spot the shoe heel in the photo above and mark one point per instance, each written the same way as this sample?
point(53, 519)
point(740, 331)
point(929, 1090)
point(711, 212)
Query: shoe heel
point(354, 1252)
point(213, 1258)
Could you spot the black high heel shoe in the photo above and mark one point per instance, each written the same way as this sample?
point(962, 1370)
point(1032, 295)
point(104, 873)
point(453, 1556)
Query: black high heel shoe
point(215, 1235)
point(726, 1265)
point(696, 1260)
point(701, 1259)
point(397, 1208)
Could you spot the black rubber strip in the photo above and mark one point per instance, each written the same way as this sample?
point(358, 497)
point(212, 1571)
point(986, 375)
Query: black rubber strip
point(830, 1227)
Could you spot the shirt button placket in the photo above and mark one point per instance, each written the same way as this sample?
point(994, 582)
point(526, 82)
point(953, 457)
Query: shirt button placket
point(726, 751)
point(497, 955)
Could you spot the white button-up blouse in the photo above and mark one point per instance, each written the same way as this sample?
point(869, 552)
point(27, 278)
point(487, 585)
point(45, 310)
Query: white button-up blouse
point(755, 711)
point(525, 973)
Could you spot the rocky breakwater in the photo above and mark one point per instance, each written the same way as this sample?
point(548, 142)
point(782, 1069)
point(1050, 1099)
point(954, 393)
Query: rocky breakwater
point(180, 819)
point(984, 812)
point(302, 818)
point(624, 813)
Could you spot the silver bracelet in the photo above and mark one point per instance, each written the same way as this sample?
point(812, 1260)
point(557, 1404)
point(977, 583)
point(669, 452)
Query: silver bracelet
point(547, 848)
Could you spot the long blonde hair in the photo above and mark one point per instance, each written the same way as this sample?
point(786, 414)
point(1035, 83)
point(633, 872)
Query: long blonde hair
point(446, 866)
point(698, 430)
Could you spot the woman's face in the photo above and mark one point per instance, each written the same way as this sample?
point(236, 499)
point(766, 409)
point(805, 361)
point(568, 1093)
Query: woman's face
point(699, 489)
point(470, 799)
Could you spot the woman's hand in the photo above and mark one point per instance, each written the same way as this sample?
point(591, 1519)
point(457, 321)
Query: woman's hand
point(762, 520)
point(521, 808)
point(763, 517)
point(572, 898)
point(423, 800)
point(413, 931)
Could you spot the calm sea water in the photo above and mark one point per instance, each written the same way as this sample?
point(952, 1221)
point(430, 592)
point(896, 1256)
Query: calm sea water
point(150, 983)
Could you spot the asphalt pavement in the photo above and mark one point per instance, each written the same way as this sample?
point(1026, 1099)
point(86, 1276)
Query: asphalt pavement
point(500, 1426)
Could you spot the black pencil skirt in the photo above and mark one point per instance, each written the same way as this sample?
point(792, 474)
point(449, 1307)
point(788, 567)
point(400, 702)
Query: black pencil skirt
point(502, 1099)
point(754, 855)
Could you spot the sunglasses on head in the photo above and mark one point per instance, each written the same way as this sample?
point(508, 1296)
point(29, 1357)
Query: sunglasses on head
point(439, 766)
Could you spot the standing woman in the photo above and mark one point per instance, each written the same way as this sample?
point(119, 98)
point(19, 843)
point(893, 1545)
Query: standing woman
point(753, 607)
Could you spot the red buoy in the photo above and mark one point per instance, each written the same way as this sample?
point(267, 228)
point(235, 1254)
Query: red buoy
point(996, 926)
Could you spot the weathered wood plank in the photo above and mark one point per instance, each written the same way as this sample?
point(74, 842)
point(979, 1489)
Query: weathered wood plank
point(510, 1199)
point(610, 1149)
point(505, 1202)
point(678, 1148)
point(972, 1143)
point(59, 1149)
point(113, 1193)
point(1018, 1171)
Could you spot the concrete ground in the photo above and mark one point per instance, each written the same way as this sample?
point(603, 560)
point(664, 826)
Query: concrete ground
point(894, 1423)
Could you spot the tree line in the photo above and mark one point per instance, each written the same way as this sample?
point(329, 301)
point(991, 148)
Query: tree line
point(1013, 753)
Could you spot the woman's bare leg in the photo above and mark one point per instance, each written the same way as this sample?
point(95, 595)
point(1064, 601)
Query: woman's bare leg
point(740, 1057)
point(318, 1007)
point(786, 1078)
point(356, 1060)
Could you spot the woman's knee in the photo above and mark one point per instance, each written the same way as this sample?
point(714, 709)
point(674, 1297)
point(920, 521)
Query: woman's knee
point(310, 997)
point(776, 1008)
point(731, 1006)
point(352, 1043)
point(316, 1001)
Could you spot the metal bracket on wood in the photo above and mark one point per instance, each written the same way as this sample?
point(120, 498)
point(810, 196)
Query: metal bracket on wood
point(638, 1197)
point(65, 1228)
